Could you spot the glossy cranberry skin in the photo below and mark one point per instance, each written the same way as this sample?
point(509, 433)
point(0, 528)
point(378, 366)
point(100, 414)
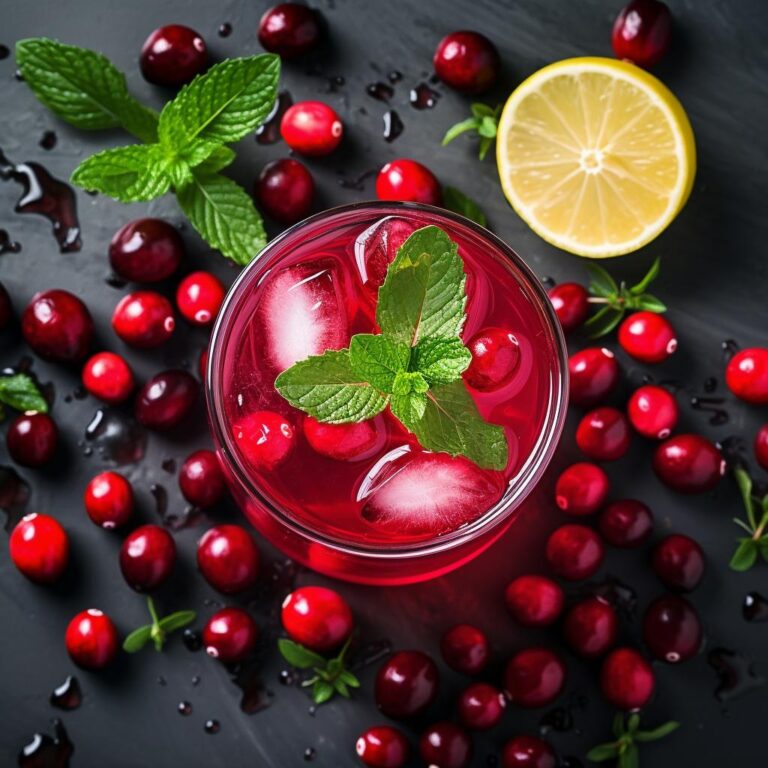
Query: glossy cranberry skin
point(593, 375)
point(642, 31)
point(678, 561)
point(317, 617)
point(31, 439)
point(39, 548)
point(173, 55)
point(653, 412)
point(285, 190)
point(481, 706)
point(626, 523)
point(265, 438)
point(201, 479)
point(143, 319)
point(6, 309)
point(108, 500)
point(570, 301)
point(108, 377)
point(527, 752)
point(228, 558)
point(603, 434)
point(590, 627)
point(382, 747)
point(467, 61)
point(230, 635)
point(166, 399)
point(761, 446)
point(406, 684)
point(289, 29)
point(534, 601)
point(534, 677)
point(58, 326)
point(445, 745)
point(147, 557)
point(747, 375)
point(575, 552)
point(311, 128)
point(146, 250)
point(465, 648)
point(199, 298)
point(410, 181)
point(689, 464)
point(581, 489)
point(91, 639)
point(648, 337)
point(343, 442)
point(495, 357)
point(671, 629)
point(626, 679)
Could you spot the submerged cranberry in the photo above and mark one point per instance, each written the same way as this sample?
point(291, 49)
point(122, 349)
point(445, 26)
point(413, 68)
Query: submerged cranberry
point(671, 629)
point(228, 558)
point(311, 128)
point(406, 684)
point(91, 639)
point(591, 627)
point(289, 29)
point(534, 601)
point(343, 442)
point(581, 489)
point(108, 500)
point(626, 679)
point(6, 309)
point(761, 446)
point(465, 649)
point(527, 752)
point(201, 479)
point(146, 250)
point(481, 706)
point(647, 337)
point(570, 301)
point(642, 31)
point(626, 523)
point(382, 747)
point(679, 562)
point(173, 55)
point(199, 297)
point(108, 376)
point(593, 375)
point(39, 548)
point(410, 181)
point(534, 677)
point(31, 439)
point(445, 745)
point(747, 375)
point(230, 635)
point(495, 357)
point(58, 326)
point(265, 438)
point(285, 190)
point(467, 61)
point(653, 412)
point(575, 552)
point(689, 464)
point(317, 617)
point(143, 319)
point(166, 399)
point(147, 557)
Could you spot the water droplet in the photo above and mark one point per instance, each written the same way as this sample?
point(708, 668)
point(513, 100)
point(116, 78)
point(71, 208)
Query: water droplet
point(225, 30)
point(6, 244)
point(423, 97)
point(184, 708)
point(394, 76)
point(169, 466)
point(44, 751)
point(192, 640)
point(14, 496)
point(755, 607)
point(310, 754)
point(68, 695)
point(380, 91)
point(269, 131)
point(212, 726)
point(161, 681)
point(735, 672)
point(48, 140)
point(393, 125)
point(196, 680)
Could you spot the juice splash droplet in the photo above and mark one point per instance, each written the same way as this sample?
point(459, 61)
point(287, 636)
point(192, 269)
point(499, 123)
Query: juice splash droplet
point(118, 438)
point(225, 30)
point(393, 126)
point(736, 673)
point(755, 607)
point(48, 140)
point(6, 244)
point(68, 695)
point(423, 97)
point(380, 91)
point(44, 751)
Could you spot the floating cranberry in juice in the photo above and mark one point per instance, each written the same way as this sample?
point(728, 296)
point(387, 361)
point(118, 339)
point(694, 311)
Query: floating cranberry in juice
point(388, 511)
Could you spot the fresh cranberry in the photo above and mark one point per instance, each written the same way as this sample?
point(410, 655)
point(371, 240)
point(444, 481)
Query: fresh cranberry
point(465, 648)
point(228, 558)
point(495, 357)
point(467, 61)
point(143, 319)
point(311, 128)
point(317, 617)
point(265, 438)
point(382, 747)
point(147, 557)
point(570, 301)
point(534, 601)
point(166, 399)
point(593, 375)
point(445, 745)
point(173, 55)
point(289, 29)
point(230, 635)
point(671, 629)
point(39, 548)
point(603, 434)
point(534, 677)
point(201, 479)
point(108, 377)
point(58, 326)
point(642, 31)
point(653, 412)
point(199, 297)
point(747, 375)
point(626, 679)
point(32, 439)
point(626, 523)
point(91, 639)
point(761, 446)
point(575, 552)
point(581, 489)
point(679, 562)
point(343, 442)
point(527, 752)
point(590, 627)
point(284, 190)
point(406, 684)
point(108, 500)
point(146, 250)
point(648, 337)
point(481, 706)
point(689, 464)
point(410, 181)
point(6, 309)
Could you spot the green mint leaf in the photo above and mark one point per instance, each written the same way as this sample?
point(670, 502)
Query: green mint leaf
point(487, 128)
point(349, 678)
point(179, 173)
point(633, 722)
point(322, 691)
point(298, 656)
point(409, 399)
point(20, 391)
point(744, 483)
point(603, 752)
point(480, 110)
point(219, 159)
point(657, 733)
point(601, 283)
point(455, 200)
point(83, 88)
point(137, 639)
point(650, 304)
point(630, 758)
point(470, 124)
point(223, 214)
point(483, 147)
point(440, 361)
point(177, 620)
point(341, 688)
point(603, 321)
point(745, 555)
point(378, 359)
point(649, 277)
point(328, 388)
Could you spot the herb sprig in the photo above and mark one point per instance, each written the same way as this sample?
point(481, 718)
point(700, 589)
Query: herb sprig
point(484, 123)
point(158, 630)
point(628, 735)
point(20, 392)
point(756, 525)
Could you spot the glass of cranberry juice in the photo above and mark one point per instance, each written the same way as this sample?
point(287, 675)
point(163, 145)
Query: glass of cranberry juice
point(364, 502)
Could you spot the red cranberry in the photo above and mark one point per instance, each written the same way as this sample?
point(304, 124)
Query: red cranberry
point(467, 61)
point(445, 745)
point(689, 464)
point(311, 128)
point(747, 375)
point(671, 629)
point(289, 29)
point(265, 438)
point(575, 552)
point(32, 439)
point(647, 337)
point(108, 377)
point(626, 679)
point(343, 442)
point(6, 309)
point(108, 500)
point(594, 374)
point(166, 399)
point(228, 558)
point(495, 357)
point(761, 447)
point(642, 31)
point(570, 301)
point(527, 752)
point(146, 250)
point(91, 639)
point(317, 617)
point(534, 677)
point(230, 635)
point(382, 747)
point(581, 489)
point(653, 412)
point(199, 297)
point(626, 523)
point(284, 190)
point(201, 479)
point(58, 326)
point(481, 706)
point(590, 627)
point(143, 319)
point(465, 649)
point(147, 557)
point(679, 562)
point(39, 548)
point(534, 601)
point(406, 684)
point(173, 55)
point(603, 434)
point(409, 181)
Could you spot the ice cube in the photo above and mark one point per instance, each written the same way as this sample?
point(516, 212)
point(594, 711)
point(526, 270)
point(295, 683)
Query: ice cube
point(376, 247)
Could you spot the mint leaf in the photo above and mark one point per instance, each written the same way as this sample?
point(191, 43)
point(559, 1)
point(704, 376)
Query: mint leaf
point(650, 276)
point(219, 159)
point(470, 124)
point(455, 200)
point(440, 361)
point(745, 555)
point(83, 88)
point(174, 621)
point(601, 283)
point(378, 359)
point(298, 656)
point(137, 639)
point(409, 399)
point(20, 391)
point(322, 691)
point(657, 733)
point(327, 387)
point(602, 752)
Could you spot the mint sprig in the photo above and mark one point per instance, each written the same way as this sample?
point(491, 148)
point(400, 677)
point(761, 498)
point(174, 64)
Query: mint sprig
point(484, 123)
point(158, 630)
point(755, 544)
point(627, 736)
point(20, 392)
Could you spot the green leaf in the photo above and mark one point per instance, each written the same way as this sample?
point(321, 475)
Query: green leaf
point(470, 124)
point(177, 620)
point(649, 277)
point(745, 555)
point(20, 391)
point(378, 359)
point(618, 724)
point(633, 723)
point(179, 173)
point(650, 304)
point(657, 733)
point(603, 321)
point(341, 688)
point(484, 146)
point(409, 400)
point(455, 200)
point(480, 110)
point(763, 547)
point(349, 679)
point(744, 483)
point(219, 159)
point(137, 639)
point(487, 128)
point(322, 691)
point(603, 752)
point(630, 758)
point(601, 283)
point(440, 361)
point(298, 656)
point(83, 88)
point(327, 387)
